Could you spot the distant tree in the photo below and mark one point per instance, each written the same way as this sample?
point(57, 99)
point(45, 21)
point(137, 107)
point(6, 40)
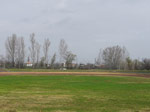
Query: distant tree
point(11, 49)
point(53, 60)
point(129, 63)
point(69, 58)
point(63, 47)
point(2, 61)
point(42, 62)
point(137, 64)
point(38, 47)
point(125, 54)
point(32, 49)
point(113, 56)
point(66, 56)
point(20, 52)
point(46, 48)
point(99, 59)
point(28, 59)
point(146, 64)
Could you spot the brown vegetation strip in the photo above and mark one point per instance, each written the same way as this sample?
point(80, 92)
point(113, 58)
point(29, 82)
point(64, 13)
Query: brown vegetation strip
point(76, 73)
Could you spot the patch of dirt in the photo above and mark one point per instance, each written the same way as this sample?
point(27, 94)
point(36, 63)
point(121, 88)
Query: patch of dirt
point(62, 111)
point(76, 73)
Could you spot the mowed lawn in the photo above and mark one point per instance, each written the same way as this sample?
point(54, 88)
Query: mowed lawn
point(74, 94)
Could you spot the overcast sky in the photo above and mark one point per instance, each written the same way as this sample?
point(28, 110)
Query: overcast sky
point(86, 25)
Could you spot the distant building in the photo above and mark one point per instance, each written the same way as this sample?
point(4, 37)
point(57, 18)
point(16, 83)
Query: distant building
point(29, 64)
point(82, 66)
point(63, 66)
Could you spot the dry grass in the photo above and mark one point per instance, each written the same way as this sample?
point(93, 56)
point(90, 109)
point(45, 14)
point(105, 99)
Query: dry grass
point(28, 102)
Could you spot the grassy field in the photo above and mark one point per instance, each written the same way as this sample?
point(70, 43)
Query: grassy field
point(74, 94)
point(78, 70)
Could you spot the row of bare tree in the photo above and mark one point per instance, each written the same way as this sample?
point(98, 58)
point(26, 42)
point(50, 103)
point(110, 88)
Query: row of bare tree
point(117, 57)
point(16, 53)
point(15, 50)
point(114, 57)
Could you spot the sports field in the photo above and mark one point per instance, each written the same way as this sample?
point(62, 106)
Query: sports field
point(74, 93)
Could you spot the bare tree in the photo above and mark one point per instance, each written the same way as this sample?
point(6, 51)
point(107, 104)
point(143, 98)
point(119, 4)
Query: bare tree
point(124, 56)
point(42, 62)
point(11, 48)
point(63, 47)
point(99, 59)
point(130, 63)
point(69, 58)
point(113, 56)
point(38, 47)
point(20, 52)
point(66, 56)
point(137, 64)
point(2, 61)
point(53, 60)
point(46, 47)
point(32, 49)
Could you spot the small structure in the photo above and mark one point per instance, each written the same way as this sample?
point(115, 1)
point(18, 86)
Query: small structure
point(28, 64)
point(63, 66)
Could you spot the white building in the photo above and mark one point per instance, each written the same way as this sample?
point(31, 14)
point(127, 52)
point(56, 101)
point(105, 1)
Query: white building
point(28, 64)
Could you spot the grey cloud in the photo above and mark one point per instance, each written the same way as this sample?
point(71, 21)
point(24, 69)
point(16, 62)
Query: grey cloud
point(87, 25)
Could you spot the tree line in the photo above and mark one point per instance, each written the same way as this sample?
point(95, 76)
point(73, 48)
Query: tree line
point(114, 57)
point(16, 53)
point(117, 57)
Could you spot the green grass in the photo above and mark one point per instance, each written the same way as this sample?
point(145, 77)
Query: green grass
point(78, 70)
point(74, 94)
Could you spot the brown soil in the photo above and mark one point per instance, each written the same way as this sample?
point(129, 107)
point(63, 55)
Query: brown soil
point(76, 73)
